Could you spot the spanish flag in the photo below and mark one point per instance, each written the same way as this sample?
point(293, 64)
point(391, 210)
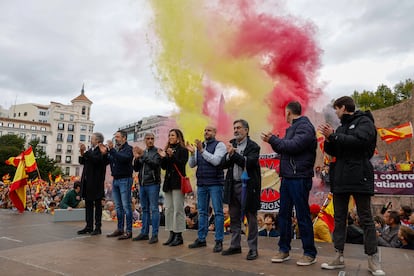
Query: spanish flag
point(17, 192)
point(400, 132)
point(30, 160)
point(327, 212)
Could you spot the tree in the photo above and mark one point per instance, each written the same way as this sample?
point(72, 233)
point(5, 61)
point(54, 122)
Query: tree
point(404, 90)
point(383, 96)
point(10, 146)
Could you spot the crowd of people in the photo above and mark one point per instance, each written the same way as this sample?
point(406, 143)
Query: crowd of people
point(227, 198)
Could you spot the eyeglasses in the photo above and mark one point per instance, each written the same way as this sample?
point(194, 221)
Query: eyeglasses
point(149, 138)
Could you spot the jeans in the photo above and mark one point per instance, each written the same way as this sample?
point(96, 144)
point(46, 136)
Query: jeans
point(148, 196)
point(363, 204)
point(121, 192)
point(204, 193)
point(295, 192)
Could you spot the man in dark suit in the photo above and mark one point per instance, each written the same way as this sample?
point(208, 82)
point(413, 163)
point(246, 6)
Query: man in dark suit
point(242, 157)
point(94, 163)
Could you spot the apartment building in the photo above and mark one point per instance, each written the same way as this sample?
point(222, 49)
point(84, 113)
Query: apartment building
point(59, 127)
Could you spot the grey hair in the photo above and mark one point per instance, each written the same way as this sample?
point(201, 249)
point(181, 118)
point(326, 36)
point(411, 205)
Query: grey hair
point(99, 136)
point(149, 134)
point(243, 122)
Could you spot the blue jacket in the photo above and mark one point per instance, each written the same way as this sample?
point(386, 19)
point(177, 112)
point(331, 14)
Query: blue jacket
point(121, 161)
point(297, 149)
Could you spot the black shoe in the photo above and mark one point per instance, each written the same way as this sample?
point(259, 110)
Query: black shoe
point(178, 240)
point(125, 236)
point(154, 239)
point(85, 231)
point(197, 243)
point(96, 232)
point(252, 255)
point(141, 237)
point(231, 251)
point(218, 247)
point(170, 238)
point(116, 233)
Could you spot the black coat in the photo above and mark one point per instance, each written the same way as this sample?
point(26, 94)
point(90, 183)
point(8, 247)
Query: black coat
point(93, 174)
point(250, 157)
point(353, 145)
point(172, 180)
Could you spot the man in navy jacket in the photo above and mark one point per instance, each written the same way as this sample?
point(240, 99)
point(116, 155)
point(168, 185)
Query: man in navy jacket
point(297, 159)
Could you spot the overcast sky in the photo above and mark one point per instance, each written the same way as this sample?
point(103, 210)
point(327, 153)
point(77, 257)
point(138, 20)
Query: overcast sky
point(49, 48)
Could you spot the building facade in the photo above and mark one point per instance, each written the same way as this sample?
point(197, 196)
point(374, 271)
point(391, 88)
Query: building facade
point(58, 127)
point(158, 125)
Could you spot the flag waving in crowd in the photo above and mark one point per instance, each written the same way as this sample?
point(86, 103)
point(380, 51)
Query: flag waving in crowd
point(400, 132)
point(25, 163)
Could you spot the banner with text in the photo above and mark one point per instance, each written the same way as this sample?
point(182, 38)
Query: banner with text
point(394, 183)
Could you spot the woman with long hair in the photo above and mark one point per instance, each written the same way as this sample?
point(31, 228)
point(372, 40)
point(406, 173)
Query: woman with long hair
point(174, 157)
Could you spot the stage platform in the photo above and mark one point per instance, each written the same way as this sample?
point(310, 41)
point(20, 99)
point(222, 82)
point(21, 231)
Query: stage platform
point(32, 244)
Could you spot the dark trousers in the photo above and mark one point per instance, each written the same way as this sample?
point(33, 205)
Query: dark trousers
point(235, 212)
point(294, 192)
point(89, 206)
point(363, 204)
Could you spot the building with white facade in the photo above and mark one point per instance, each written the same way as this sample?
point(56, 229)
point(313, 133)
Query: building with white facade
point(59, 127)
point(157, 124)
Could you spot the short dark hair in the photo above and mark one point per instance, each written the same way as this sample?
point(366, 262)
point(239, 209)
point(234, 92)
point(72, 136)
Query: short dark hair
point(395, 216)
point(76, 184)
point(295, 107)
point(123, 133)
point(244, 123)
point(346, 101)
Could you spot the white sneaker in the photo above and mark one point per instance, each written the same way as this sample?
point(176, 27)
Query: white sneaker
point(336, 263)
point(374, 265)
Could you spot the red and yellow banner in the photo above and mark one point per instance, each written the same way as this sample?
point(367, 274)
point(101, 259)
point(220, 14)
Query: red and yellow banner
point(17, 192)
point(400, 132)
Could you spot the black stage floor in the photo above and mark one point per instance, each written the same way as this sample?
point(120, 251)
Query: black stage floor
point(32, 244)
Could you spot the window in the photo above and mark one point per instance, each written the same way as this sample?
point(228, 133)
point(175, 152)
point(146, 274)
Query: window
point(44, 139)
point(42, 113)
point(59, 137)
point(32, 127)
point(62, 116)
point(83, 110)
point(22, 126)
point(10, 125)
point(42, 128)
point(82, 138)
point(68, 159)
point(34, 137)
point(25, 114)
point(58, 158)
point(83, 127)
point(71, 118)
point(1, 123)
point(67, 170)
point(61, 126)
point(23, 135)
point(69, 149)
point(71, 127)
point(59, 148)
point(70, 138)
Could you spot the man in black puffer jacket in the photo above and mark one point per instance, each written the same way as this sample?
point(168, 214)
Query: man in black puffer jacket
point(352, 145)
point(297, 159)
